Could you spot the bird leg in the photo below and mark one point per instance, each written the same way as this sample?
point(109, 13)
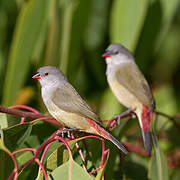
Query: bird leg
point(118, 117)
point(66, 130)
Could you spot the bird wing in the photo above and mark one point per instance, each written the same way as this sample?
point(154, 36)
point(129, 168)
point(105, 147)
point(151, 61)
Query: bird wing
point(130, 77)
point(67, 99)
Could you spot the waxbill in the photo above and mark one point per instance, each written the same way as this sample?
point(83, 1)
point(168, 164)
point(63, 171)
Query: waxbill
point(130, 88)
point(66, 105)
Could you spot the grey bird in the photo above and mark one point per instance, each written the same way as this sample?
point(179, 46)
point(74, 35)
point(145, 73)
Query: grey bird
point(131, 88)
point(66, 105)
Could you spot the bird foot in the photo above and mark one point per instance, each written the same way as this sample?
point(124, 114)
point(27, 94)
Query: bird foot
point(67, 131)
point(118, 117)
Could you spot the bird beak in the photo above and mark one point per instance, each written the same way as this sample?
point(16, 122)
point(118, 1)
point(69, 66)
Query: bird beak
point(107, 54)
point(37, 76)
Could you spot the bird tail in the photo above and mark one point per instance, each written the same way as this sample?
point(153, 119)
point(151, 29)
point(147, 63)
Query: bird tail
point(116, 142)
point(145, 117)
point(103, 133)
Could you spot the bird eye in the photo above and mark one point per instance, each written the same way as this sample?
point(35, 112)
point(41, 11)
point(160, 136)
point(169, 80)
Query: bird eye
point(46, 74)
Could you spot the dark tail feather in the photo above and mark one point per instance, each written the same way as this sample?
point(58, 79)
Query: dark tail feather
point(147, 141)
point(116, 142)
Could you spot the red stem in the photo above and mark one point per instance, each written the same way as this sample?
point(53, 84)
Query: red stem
point(79, 150)
point(103, 152)
point(14, 173)
point(44, 152)
point(134, 148)
point(21, 113)
point(25, 149)
point(24, 107)
point(42, 168)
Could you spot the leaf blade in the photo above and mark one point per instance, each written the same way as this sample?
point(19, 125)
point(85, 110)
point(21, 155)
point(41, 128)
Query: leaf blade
point(127, 19)
point(25, 37)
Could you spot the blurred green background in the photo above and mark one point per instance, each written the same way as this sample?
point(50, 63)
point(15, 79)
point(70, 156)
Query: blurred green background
point(73, 34)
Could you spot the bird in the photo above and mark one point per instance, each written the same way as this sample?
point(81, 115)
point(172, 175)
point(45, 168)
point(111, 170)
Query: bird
point(66, 105)
point(130, 88)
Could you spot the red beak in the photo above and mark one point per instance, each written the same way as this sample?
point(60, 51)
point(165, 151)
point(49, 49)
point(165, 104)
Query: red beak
point(107, 54)
point(37, 76)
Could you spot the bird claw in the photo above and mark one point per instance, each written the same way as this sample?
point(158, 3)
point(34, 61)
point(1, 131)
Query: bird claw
point(67, 131)
point(118, 117)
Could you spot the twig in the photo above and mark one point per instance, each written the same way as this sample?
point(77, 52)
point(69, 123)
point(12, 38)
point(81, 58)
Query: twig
point(177, 125)
point(42, 168)
point(134, 148)
point(173, 158)
point(79, 150)
point(177, 115)
point(21, 113)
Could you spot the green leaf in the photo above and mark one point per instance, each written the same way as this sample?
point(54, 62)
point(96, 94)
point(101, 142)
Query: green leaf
point(59, 155)
point(57, 158)
point(95, 32)
point(127, 19)
point(67, 16)
point(29, 172)
point(41, 131)
point(169, 9)
point(24, 156)
point(53, 36)
point(56, 155)
point(28, 135)
point(41, 39)
point(100, 174)
point(176, 174)
point(27, 31)
point(134, 168)
point(81, 14)
point(96, 27)
point(70, 170)
point(3, 120)
point(16, 135)
point(158, 166)
point(159, 16)
point(6, 163)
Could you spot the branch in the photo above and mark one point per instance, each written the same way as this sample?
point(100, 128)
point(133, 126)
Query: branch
point(134, 148)
point(37, 116)
point(171, 118)
point(177, 115)
point(21, 113)
point(173, 158)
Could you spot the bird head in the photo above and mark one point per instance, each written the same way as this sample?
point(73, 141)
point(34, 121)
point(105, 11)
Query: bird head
point(116, 53)
point(49, 75)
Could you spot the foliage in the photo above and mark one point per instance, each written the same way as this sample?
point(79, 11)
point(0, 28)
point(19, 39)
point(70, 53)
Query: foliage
point(72, 34)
